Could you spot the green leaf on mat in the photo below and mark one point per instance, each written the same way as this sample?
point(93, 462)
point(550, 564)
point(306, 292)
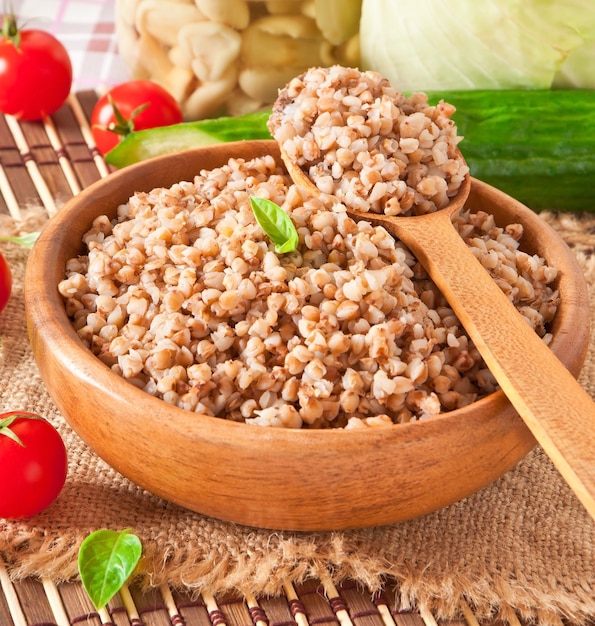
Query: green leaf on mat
point(106, 560)
point(276, 224)
point(25, 240)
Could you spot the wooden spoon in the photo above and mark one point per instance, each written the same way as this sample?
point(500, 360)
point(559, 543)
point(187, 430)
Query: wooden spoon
point(555, 407)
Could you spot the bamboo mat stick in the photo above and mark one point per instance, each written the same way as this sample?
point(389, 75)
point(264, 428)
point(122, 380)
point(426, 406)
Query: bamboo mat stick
point(55, 602)
point(427, 617)
point(215, 615)
point(170, 605)
point(9, 197)
point(87, 135)
point(299, 616)
point(468, 614)
point(105, 617)
point(257, 614)
point(385, 614)
point(10, 595)
point(63, 160)
point(332, 593)
point(44, 193)
point(128, 602)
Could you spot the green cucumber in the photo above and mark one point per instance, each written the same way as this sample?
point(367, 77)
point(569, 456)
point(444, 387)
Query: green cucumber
point(145, 144)
point(536, 145)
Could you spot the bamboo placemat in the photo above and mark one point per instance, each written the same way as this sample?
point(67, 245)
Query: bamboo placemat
point(41, 603)
point(42, 165)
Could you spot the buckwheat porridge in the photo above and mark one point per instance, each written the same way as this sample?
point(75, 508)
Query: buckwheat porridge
point(361, 140)
point(184, 296)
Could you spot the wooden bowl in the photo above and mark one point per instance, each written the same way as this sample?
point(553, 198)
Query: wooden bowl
point(276, 478)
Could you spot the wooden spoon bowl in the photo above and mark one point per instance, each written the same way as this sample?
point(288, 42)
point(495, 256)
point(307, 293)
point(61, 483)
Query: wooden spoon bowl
point(301, 179)
point(276, 478)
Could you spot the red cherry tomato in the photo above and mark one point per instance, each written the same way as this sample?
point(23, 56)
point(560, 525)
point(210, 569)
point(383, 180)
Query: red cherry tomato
point(5, 282)
point(35, 72)
point(134, 105)
point(33, 464)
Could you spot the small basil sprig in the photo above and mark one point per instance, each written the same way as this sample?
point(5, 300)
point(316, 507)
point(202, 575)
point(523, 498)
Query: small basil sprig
point(106, 560)
point(276, 224)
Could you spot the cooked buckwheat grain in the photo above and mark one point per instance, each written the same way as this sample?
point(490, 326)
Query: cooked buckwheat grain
point(183, 295)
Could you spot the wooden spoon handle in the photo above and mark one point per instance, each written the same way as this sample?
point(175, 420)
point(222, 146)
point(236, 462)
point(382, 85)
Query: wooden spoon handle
point(555, 407)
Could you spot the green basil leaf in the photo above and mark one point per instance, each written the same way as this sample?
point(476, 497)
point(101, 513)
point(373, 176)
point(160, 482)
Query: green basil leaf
point(276, 224)
point(106, 560)
point(25, 240)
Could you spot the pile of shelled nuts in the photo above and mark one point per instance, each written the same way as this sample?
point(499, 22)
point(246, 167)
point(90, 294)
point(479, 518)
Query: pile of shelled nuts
point(232, 56)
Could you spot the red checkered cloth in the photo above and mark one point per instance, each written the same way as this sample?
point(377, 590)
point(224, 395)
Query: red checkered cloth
point(87, 30)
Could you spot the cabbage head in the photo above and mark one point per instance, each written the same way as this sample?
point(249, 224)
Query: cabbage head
point(435, 45)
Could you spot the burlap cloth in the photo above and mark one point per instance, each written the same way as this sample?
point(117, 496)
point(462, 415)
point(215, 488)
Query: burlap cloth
point(524, 543)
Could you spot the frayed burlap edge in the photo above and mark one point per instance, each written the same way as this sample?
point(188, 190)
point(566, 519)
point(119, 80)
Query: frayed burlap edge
point(490, 596)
